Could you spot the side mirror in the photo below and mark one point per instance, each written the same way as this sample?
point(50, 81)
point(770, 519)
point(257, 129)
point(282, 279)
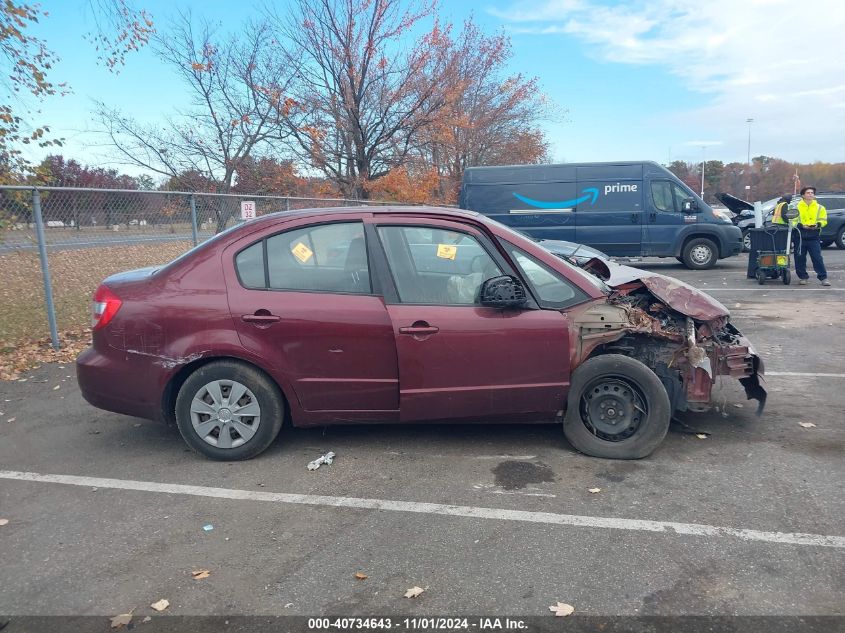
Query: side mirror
point(689, 205)
point(503, 292)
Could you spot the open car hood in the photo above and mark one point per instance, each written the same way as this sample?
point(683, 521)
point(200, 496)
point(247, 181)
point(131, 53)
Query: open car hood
point(676, 294)
point(736, 205)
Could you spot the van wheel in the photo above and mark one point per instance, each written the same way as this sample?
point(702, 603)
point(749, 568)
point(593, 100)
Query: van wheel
point(746, 241)
point(229, 411)
point(617, 408)
point(700, 254)
point(840, 237)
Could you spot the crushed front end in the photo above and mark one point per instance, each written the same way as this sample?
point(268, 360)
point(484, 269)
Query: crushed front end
point(682, 334)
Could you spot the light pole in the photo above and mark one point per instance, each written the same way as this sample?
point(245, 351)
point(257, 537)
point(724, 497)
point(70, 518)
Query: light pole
point(703, 147)
point(749, 121)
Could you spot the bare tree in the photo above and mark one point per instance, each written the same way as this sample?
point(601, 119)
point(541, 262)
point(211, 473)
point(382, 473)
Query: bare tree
point(239, 107)
point(360, 99)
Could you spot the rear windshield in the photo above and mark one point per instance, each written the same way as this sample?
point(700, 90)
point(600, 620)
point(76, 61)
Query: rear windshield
point(207, 243)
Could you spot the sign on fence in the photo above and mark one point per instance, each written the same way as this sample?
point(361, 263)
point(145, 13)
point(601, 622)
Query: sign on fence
point(247, 210)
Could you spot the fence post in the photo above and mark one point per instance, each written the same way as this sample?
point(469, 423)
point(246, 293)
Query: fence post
point(194, 219)
point(287, 204)
point(45, 268)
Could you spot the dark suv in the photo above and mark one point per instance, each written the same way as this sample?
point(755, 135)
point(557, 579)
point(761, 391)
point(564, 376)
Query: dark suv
point(834, 202)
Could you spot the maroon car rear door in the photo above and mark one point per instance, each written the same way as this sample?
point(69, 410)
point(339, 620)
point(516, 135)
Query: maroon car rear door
point(457, 358)
point(302, 299)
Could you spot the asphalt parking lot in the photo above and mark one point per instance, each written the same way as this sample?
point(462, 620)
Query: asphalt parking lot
point(108, 513)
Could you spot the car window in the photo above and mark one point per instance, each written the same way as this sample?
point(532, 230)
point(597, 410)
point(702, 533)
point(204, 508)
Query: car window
point(326, 257)
point(681, 194)
point(832, 203)
point(250, 266)
point(436, 266)
point(551, 288)
point(661, 194)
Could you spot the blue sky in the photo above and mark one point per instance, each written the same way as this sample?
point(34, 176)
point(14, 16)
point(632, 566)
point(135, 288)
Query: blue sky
point(660, 80)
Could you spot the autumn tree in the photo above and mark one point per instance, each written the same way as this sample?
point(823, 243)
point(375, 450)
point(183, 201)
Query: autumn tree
point(360, 98)
point(27, 69)
point(268, 176)
point(239, 107)
point(489, 117)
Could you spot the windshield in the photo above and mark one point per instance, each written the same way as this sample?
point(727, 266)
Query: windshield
point(591, 279)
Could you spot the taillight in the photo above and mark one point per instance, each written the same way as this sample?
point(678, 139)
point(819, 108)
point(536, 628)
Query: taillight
point(104, 307)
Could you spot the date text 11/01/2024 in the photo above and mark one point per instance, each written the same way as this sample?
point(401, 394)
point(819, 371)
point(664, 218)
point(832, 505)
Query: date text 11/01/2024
point(417, 624)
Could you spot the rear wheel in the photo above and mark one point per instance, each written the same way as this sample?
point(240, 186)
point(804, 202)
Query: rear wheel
point(840, 237)
point(700, 253)
point(787, 276)
point(229, 411)
point(761, 276)
point(617, 408)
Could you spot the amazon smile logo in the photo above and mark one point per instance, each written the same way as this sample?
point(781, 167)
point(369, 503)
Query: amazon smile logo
point(592, 192)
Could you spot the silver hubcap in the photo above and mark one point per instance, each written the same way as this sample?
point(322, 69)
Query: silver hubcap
point(701, 254)
point(225, 414)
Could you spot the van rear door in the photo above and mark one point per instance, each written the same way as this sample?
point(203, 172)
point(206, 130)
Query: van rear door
point(609, 214)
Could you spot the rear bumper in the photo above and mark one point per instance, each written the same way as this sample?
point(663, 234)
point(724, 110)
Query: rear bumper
point(108, 384)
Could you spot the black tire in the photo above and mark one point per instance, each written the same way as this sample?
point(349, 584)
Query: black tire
point(261, 391)
point(700, 253)
point(628, 390)
point(840, 237)
point(761, 276)
point(746, 241)
point(787, 277)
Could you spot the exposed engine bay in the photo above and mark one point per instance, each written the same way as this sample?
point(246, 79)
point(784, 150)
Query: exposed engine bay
point(682, 334)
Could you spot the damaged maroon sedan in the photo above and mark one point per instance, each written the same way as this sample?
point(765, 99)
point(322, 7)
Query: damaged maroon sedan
point(393, 315)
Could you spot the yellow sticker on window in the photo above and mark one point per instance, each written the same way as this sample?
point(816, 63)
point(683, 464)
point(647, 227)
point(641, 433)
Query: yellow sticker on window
point(302, 252)
point(446, 251)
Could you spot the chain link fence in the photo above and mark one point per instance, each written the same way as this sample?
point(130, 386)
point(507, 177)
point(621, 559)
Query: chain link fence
point(58, 243)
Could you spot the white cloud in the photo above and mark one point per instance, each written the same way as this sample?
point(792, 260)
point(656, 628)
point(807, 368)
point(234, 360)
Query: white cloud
point(778, 61)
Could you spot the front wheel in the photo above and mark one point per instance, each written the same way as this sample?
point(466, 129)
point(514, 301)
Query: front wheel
point(746, 241)
point(700, 253)
point(761, 276)
point(787, 277)
point(229, 411)
point(617, 408)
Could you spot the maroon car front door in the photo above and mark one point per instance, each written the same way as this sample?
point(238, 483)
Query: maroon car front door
point(457, 358)
point(302, 300)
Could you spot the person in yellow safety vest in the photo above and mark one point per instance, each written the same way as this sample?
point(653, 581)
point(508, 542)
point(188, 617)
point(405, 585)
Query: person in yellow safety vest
point(779, 217)
point(811, 218)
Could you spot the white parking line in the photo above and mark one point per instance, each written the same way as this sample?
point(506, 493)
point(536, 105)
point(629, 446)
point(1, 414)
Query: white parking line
point(637, 525)
point(802, 375)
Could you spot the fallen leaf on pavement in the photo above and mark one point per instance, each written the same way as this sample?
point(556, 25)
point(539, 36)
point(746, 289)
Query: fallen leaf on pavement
point(701, 436)
point(11, 419)
point(119, 621)
point(200, 574)
point(146, 619)
point(562, 609)
point(57, 387)
point(161, 605)
point(361, 576)
point(807, 425)
point(594, 490)
point(413, 592)
point(4, 522)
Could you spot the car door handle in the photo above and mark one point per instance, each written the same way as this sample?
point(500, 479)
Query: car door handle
point(635, 218)
point(261, 318)
point(419, 329)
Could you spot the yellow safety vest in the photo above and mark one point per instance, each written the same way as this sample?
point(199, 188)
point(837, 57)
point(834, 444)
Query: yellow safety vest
point(809, 214)
point(778, 217)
